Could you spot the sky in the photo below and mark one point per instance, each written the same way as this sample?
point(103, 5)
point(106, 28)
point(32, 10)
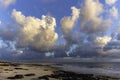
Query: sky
point(59, 28)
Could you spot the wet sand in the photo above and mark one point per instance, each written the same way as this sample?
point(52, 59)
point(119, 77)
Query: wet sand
point(9, 71)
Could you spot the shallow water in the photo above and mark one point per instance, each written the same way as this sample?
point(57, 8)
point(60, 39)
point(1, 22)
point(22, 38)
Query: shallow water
point(103, 65)
point(97, 68)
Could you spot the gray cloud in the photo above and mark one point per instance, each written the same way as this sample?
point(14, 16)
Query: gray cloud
point(8, 33)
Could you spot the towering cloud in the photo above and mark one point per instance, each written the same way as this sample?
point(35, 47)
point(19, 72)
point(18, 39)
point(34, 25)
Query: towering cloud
point(91, 18)
point(68, 24)
point(6, 3)
point(38, 34)
point(93, 25)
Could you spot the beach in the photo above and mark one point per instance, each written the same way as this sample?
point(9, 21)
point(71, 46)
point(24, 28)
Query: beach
point(9, 71)
point(44, 71)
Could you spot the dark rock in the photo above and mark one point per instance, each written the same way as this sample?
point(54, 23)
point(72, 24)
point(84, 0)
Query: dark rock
point(30, 74)
point(4, 64)
point(45, 69)
point(34, 79)
point(43, 78)
point(64, 75)
point(54, 76)
point(14, 64)
point(19, 76)
point(20, 69)
point(6, 69)
point(11, 78)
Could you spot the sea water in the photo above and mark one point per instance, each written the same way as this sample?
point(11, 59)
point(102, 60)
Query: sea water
point(98, 68)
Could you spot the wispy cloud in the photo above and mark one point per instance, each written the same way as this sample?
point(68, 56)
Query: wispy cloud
point(110, 2)
point(6, 3)
point(114, 12)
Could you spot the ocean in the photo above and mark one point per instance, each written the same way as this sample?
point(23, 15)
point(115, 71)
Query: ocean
point(98, 68)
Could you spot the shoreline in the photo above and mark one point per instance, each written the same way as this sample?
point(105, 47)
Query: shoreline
point(46, 71)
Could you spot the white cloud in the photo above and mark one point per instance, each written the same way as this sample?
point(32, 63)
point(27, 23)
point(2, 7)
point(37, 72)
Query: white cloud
point(102, 41)
point(92, 24)
point(114, 12)
point(18, 16)
point(110, 2)
point(68, 23)
point(91, 17)
point(39, 34)
point(6, 3)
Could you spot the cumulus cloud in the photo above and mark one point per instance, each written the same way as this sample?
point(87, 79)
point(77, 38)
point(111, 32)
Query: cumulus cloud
point(68, 24)
point(114, 12)
point(91, 18)
point(114, 45)
point(110, 2)
point(102, 41)
point(35, 33)
point(93, 25)
point(18, 16)
point(87, 25)
point(6, 3)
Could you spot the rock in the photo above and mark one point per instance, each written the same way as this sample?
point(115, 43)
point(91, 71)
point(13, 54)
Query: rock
point(4, 64)
point(11, 78)
point(30, 74)
point(18, 76)
point(45, 69)
point(43, 78)
point(20, 69)
point(8, 70)
point(14, 64)
point(34, 79)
